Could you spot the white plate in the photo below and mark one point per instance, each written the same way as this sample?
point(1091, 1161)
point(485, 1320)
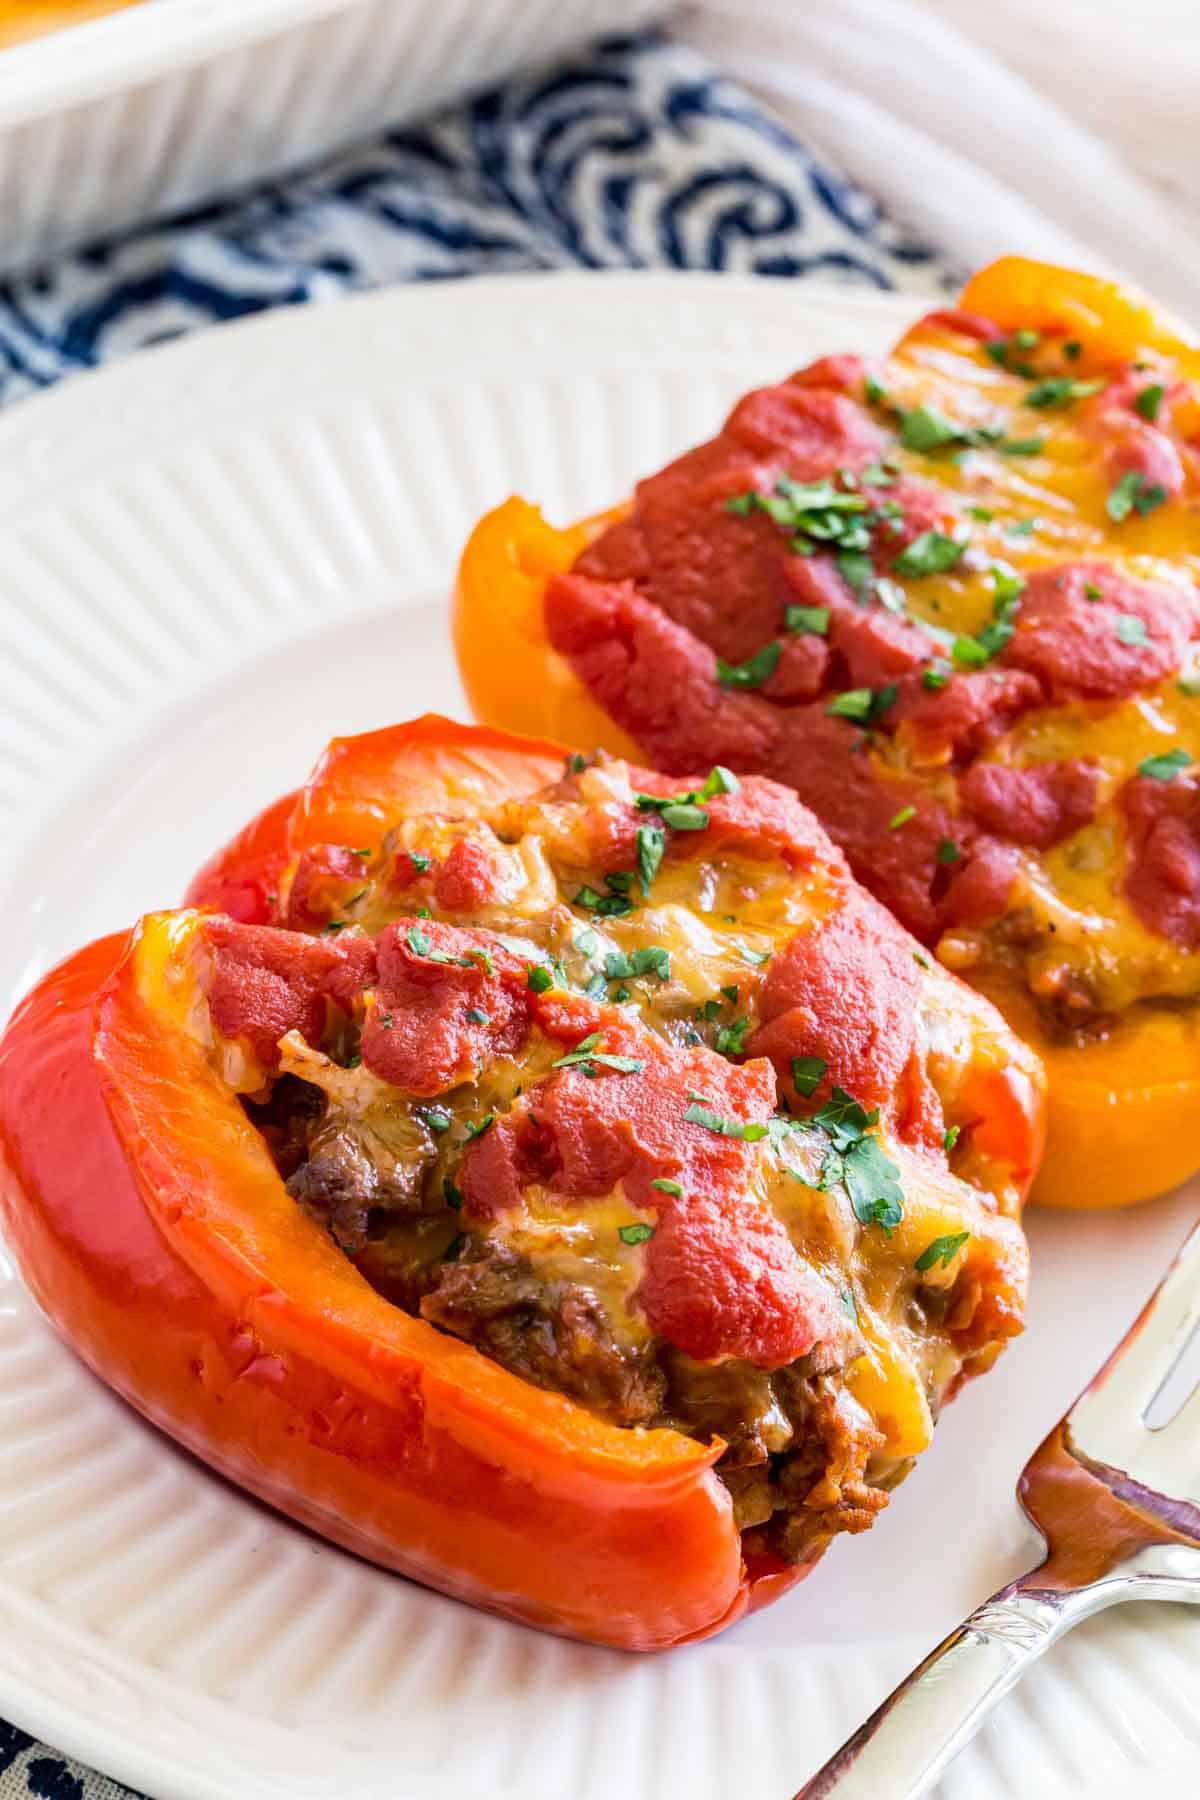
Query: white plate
point(215, 556)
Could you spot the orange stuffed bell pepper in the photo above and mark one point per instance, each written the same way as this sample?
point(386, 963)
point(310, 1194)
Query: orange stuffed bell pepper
point(950, 598)
point(568, 1190)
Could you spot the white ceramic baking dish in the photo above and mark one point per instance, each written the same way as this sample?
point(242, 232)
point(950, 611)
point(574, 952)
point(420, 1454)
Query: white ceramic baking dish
point(174, 102)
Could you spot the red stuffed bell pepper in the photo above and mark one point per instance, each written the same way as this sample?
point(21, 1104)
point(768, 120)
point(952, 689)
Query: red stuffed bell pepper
point(564, 1187)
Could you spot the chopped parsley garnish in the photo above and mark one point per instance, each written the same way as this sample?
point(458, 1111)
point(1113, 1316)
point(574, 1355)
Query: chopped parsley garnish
point(948, 851)
point(596, 989)
point(1166, 765)
point(683, 817)
point(902, 817)
point(1131, 629)
point(697, 1114)
point(1133, 493)
point(950, 1137)
point(612, 905)
point(754, 671)
point(452, 1194)
point(936, 675)
point(1091, 591)
point(1060, 390)
point(709, 1011)
point(650, 960)
point(477, 1017)
point(857, 571)
point(334, 926)
point(436, 1117)
point(1030, 446)
point(419, 942)
point(933, 553)
point(636, 1234)
point(665, 1186)
point(588, 1058)
point(1149, 400)
point(1072, 349)
point(477, 1131)
point(576, 764)
point(1022, 527)
point(864, 705)
point(983, 513)
point(540, 979)
point(1001, 352)
point(420, 863)
point(925, 428)
point(484, 957)
point(921, 960)
point(731, 993)
point(974, 652)
point(942, 1250)
point(859, 1162)
point(1189, 685)
point(731, 1039)
point(651, 843)
point(807, 1073)
point(875, 391)
point(812, 619)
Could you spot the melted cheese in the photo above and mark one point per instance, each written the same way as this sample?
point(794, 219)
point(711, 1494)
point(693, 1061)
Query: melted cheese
point(1073, 892)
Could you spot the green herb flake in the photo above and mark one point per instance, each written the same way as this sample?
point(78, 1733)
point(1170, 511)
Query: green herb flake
point(539, 978)
point(1166, 765)
point(936, 675)
point(419, 941)
point(477, 1017)
point(651, 959)
point(1030, 446)
point(1022, 528)
point(1149, 400)
point(933, 553)
point(1091, 591)
point(1133, 493)
point(452, 1194)
point(635, 1234)
point(811, 619)
point(808, 1072)
point(664, 1186)
point(948, 851)
point(731, 1039)
point(436, 1117)
point(1131, 630)
point(698, 1114)
point(942, 1250)
point(1189, 685)
point(651, 844)
point(872, 1181)
point(683, 816)
point(902, 817)
point(950, 1137)
point(420, 863)
point(1072, 349)
point(588, 1058)
point(477, 1131)
point(576, 764)
point(875, 391)
point(1060, 390)
point(984, 514)
point(754, 672)
point(731, 993)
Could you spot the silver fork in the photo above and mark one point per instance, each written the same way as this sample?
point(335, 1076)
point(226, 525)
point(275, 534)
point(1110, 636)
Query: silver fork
point(1117, 1502)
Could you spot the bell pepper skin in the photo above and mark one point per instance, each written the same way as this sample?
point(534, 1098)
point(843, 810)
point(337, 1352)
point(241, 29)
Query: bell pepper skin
point(169, 1256)
point(1119, 1111)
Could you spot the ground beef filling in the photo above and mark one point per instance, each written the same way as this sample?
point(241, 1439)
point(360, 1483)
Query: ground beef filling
point(801, 1462)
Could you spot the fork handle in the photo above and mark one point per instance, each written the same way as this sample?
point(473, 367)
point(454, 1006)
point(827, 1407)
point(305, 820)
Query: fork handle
point(909, 1741)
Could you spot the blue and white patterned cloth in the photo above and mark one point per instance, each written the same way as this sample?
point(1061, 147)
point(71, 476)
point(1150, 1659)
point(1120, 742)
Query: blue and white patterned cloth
point(635, 156)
